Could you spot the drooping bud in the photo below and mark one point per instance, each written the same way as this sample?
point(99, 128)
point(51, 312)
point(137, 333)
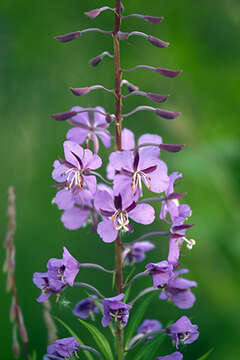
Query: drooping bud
point(122, 7)
point(153, 19)
point(110, 118)
point(64, 115)
point(167, 114)
point(95, 12)
point(171, 147)
point(157, 42)
point(95, 61)
point(122, 35)
point(68, 37)
point(80, 91)
point(174, 196)
point(182, 227)
point(22, 328)
point(156, 97)
point(168, 72)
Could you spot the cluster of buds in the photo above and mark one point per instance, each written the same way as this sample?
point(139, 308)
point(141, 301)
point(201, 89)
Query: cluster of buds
point(114, 204)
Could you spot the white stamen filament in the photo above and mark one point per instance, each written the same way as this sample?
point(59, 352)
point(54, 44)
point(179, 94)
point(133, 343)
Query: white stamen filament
point(76, 178)
point(190, 243)
point(120, 220)
point(137, 180)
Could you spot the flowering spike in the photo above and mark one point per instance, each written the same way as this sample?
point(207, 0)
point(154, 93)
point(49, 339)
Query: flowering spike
point(64, 115)
point(157, 42)
point(167, 114)
point(68, 37)
point(171, 147)
point(95, 12)
point(80, 91)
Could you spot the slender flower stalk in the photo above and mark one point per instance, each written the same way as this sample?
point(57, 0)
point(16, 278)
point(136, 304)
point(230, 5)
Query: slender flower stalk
point(16, 316)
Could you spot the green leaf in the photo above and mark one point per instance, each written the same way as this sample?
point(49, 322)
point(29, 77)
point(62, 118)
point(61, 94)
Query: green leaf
point(127, 293)
point(34, 355)
point(99, 339)
point(205, 356)
point(88, 355)
point(149, 349)
point(136, 319)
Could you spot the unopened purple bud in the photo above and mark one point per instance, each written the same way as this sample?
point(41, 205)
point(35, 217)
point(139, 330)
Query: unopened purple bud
point(9, 281)
point(80, 91)
point(93, 13)
point(157, 42)
point(182, 227)
point(153, 19)
point(68, 37)
point(23, 333)
point(64, 115)
point(156, 97)
point(122, 7)
point(95, 61)
point(167, 114)
point(122, 35)
point(171, 147)
point(168, 73)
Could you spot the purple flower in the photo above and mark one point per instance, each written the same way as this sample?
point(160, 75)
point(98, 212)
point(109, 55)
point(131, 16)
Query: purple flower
point(117, 210)
point(128, 143)
point(149, 326)
point(74, 170)
point(137, 168)
point(114, 308)
point(135, 252)
point(89, 126)
point(85, 307)
point(41, 280)
point(174, 356)
point(178, 291)
point(64, 348)
point(161, 273)
point(183, 331)
point(65, 269)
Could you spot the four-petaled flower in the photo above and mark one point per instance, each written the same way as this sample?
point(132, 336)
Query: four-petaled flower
point(74, 170)
point(89, 126)
point(161, 273)
point(62, 349)
point(61, 272)
point(183, 331)
point(115, 309)
point(116, 211)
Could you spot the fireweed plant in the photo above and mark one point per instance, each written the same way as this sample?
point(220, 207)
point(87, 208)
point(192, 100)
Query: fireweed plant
point(113, 207)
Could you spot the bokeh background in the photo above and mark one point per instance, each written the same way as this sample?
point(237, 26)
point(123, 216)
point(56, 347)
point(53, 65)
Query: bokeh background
point(35, 74)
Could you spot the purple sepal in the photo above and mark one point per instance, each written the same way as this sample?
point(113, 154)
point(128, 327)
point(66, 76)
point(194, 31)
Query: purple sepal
point(64, 115)
point(95, 61)
point(157, 42)
point(167, 114)
point(93, 13)
point(68, 37)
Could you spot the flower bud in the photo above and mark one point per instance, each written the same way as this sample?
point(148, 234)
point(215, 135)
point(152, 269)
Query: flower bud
point(68, 37)
point(12, 312)
point(80, 91)
point(22, 329)
point(131, 87)
point(153, 19)
point(171, 147)
point(167, 114)
point(156, 97)
point(16, 349)
point(174, 196)
point(122, 7)
point(168, 73)
point(110, 118)
point(157, 42)
point(95, 61)
point(64, 115)
point(93, 13)
point(182, 227)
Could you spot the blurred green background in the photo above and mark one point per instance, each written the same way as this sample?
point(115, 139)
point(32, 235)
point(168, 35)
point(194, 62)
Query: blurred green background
point(36, 72)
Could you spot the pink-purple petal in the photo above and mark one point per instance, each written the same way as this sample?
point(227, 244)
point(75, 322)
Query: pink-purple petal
point(143, 214)
point(69, 148)
point(77, 135)
point(75, 218)
point(106, 231)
